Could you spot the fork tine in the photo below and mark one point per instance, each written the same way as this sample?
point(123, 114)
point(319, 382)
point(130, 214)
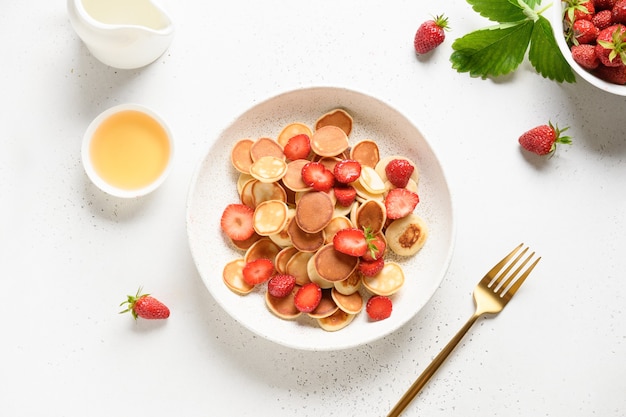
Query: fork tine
point(493, 272)
point(497, 285)
point(518, 283)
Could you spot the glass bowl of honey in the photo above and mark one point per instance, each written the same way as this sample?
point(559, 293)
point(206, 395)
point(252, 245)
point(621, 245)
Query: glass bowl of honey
point(127, 150)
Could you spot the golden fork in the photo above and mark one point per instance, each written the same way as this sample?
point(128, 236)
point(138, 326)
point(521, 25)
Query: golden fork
point(492, 293)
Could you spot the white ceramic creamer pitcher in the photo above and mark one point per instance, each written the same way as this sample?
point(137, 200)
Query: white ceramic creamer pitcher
point(122, 33)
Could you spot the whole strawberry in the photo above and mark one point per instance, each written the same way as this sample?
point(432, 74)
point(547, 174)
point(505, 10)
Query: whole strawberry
point(145, 306)
point(543, 139)
point(430, 34)
point(611, 46)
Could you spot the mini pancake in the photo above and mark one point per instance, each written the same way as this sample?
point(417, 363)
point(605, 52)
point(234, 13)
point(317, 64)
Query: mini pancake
point(370, 214)
point(314, 276)
point(333, 265)
point(246, 195)
point(366, 152)
point(266, 191)
point(297, 266)
point(351, 304)
point(268, 169)
point(266, 147)
point(293, 177)
point(387, 282)
point(240, 155)
point(314, 211)
point(283, 307)
point(407, 235)
point(336, 321)
point(335, 225)
point(233, 277)
point(329, 162)
point(329, 141)
point(349, 285)
point(305, 242)
point(369, 179)
point(411, 185)
point(336, 117)
point(282, 257)
point(291, 130)
point(270, 217)
point(326, 307)
point(363, 194)
point(262, 248)
point(242, 181)
point(282, 238)
point(342, 211)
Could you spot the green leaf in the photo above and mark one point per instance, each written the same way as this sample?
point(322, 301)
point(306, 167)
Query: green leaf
point(499, 11)
point(492, 51)
point(545, 55)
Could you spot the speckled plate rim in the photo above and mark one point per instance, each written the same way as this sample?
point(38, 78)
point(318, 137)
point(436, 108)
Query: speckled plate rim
point(213, 187)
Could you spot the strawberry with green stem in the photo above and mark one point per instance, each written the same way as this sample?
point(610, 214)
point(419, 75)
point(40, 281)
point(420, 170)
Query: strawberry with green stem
point(145, 306)
point(611, 46)
point(430, 34)
point(542, 140)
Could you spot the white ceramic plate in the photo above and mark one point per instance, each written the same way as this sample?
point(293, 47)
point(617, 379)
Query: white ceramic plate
point(214, 186)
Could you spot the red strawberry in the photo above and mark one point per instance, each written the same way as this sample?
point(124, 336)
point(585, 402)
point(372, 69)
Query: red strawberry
point(347, 171)
point(376, 246)
point(615, 75)
point(238, 221)
point(146, 307)
point(603, 19)
point(399, 172)
point(298, 147)
point(584, 31)
point(379, 307)
point(611, 46)
point(308, 297)
point(604, 4)
point(618, 12)
point(281, 285)
point(350, 241)
point(579, 10)
point(399, 202)
point(543, 139)
point(258, 271)
point(316, 175)
point(345, 195)
point(430, 34)
point(585, 55)
point(371, 268)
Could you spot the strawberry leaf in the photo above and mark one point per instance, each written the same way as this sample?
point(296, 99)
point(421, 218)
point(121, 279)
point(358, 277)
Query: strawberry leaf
point(492, 51)
point(545, 55)
point(499, 11)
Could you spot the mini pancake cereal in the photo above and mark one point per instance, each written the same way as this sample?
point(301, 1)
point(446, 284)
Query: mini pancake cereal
point(342, 242)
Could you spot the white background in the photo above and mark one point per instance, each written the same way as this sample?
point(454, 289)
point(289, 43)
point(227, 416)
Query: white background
point(69, 253)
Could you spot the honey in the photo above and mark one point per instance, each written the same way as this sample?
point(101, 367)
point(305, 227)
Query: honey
point(130, 150)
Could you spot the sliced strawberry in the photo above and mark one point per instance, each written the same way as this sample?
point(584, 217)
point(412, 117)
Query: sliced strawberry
point(371, 268)
point(375, 247)
point(316, 175)
point(298, 147)
point(379, 307)
point(345, 195)
point(308, 297)
point(350, 241)
point(400, 202)
point(347, 171)
point(281, 285)
point(399, 172)
point(258, 271)
point(237, 221)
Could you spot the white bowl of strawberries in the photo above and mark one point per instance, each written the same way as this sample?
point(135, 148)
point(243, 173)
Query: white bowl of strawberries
point(592, 37)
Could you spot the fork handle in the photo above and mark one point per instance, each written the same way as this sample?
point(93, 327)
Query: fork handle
point(430, 370)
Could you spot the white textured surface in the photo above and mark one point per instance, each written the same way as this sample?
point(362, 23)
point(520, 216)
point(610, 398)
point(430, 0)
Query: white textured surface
point(69, 254)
